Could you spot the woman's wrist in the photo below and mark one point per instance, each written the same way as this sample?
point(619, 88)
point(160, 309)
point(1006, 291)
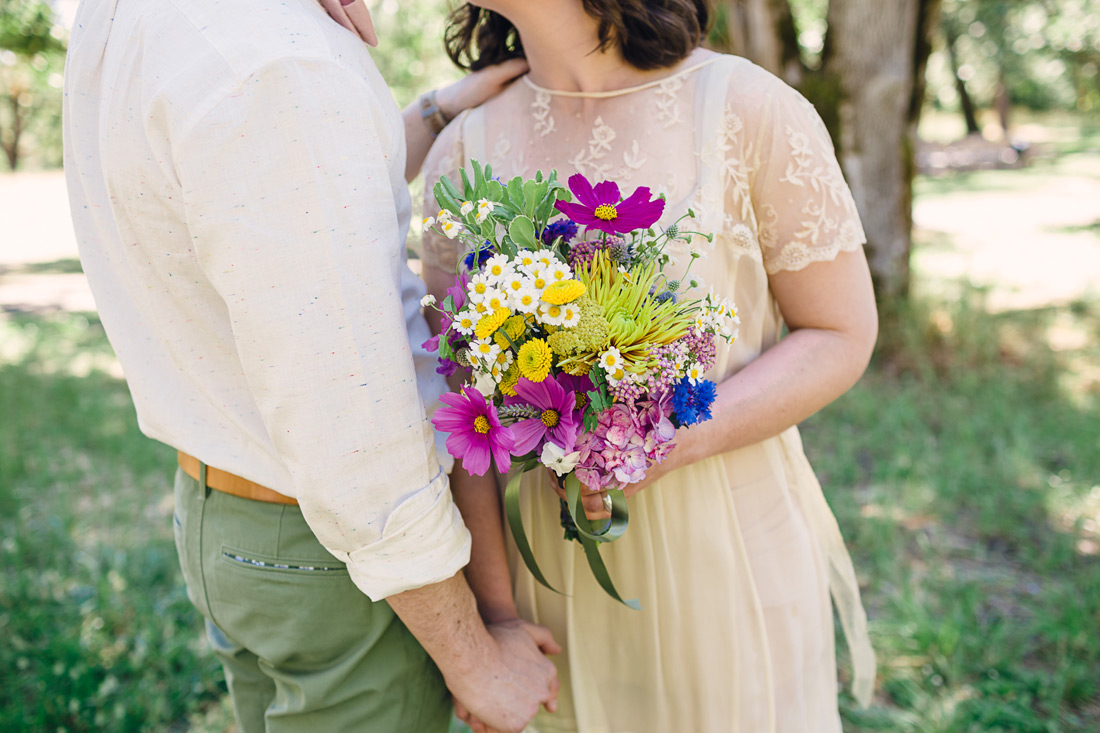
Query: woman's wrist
point(432, 112)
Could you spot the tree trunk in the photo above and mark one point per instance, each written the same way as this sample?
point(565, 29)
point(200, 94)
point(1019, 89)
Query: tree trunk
point(1002, 102)
point(872, 57)
point(752, 29)
point(965, 101)
point(11, 148)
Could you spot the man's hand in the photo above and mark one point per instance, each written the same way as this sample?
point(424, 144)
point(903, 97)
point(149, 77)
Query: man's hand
point(353, 15)
point(505, 693)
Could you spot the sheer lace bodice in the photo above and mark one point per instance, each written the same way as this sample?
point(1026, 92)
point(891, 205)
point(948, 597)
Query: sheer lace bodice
point(752, 158)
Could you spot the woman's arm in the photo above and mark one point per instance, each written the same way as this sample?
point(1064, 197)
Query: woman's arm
point(478, 499)
point(829, 308)
point(469, 91)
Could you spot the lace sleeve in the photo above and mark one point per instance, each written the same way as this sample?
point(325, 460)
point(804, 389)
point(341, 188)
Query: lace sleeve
point(805, 210)
point(444, 159)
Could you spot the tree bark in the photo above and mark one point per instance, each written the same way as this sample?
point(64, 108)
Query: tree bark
point(872, 57)
point(752, 28)
point(11, 148)
point(965, 101)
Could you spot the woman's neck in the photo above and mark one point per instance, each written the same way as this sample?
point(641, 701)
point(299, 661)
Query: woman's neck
point(560, 41)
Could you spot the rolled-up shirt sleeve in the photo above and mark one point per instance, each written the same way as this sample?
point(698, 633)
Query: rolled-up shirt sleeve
point(289, 189)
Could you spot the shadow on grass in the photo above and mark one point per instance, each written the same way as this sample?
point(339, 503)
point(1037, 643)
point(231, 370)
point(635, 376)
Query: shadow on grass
point(964, 471)
point(99, 634)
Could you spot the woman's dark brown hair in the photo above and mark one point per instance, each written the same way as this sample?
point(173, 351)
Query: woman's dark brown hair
point(651, 34)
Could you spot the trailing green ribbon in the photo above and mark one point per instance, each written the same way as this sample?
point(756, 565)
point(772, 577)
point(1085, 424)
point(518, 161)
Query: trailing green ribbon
point(589, 538)
point(515, 523)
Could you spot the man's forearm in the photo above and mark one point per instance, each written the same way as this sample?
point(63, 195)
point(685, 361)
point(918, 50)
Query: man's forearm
point(444, 619)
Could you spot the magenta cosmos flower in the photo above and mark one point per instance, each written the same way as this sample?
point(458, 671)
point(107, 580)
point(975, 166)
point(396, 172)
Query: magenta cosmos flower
point(557, 421)
point(603, 207)
point(475, 431)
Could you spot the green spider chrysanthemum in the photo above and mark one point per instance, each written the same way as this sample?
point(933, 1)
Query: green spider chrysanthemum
point(635, 321)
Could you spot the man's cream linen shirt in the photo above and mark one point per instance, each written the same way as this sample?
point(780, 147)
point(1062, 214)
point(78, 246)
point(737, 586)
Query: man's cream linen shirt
point(236, 173)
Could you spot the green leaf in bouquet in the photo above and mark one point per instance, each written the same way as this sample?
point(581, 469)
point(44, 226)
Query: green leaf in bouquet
point(533, 192)
point(515, 192)
point(445, 350)
point(522, 232)
point(448, 304)
point(467, 189)
point(445, 198)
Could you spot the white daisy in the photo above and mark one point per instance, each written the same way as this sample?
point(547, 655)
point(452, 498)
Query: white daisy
point(484, 208)
point(465, 208)
point(694, 374)
point(545, 257)
point(428, 223)
point(514, 282)
point(551, 315)
point(427, 300)
point(479, 285)
point(495, 298)
point(498, 267)
point(526, 300)
point(571, 315)
point(557, 271)
point(465, 322)
point(484, 351)
point(611, 360)
point(539, 281)
point(450, 228)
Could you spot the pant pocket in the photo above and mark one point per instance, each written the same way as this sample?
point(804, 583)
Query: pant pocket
point(187, 530)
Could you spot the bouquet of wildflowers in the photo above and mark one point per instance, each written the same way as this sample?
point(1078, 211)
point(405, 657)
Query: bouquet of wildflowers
point(581, 354)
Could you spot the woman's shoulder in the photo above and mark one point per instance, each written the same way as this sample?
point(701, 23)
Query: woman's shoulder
point(748, 84)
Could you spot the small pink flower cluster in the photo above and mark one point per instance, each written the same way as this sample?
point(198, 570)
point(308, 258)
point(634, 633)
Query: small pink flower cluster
point(702, 347)
point(625, 440)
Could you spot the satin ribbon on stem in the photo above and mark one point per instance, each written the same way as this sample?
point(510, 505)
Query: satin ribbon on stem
point(589, 537)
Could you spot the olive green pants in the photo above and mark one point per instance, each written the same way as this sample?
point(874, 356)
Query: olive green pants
point(303, 649)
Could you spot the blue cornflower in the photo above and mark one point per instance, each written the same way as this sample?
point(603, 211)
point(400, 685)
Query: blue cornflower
point(561, 228)
point(482, 253)
point(691, 404)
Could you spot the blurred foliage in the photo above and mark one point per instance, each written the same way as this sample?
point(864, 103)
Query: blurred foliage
point(1046, 51)
point(410, 46)
point(32, 51)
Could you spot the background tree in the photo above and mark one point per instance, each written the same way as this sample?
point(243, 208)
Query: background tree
point(32, 54)
point(861, 62)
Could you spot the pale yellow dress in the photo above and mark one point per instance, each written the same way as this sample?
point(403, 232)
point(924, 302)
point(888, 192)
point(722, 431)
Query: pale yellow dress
point(733, 558)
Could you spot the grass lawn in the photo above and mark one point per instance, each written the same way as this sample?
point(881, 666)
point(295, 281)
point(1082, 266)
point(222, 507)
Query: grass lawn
point(964, 471)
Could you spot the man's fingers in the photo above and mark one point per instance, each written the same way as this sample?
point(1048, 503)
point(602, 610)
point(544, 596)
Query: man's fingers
point(359, 14)
point(552, 703)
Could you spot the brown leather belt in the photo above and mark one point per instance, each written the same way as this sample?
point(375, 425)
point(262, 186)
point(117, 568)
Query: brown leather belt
point(231, 483)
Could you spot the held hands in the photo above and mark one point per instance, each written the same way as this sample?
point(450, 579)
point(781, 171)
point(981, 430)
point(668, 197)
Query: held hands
point(504, 693)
